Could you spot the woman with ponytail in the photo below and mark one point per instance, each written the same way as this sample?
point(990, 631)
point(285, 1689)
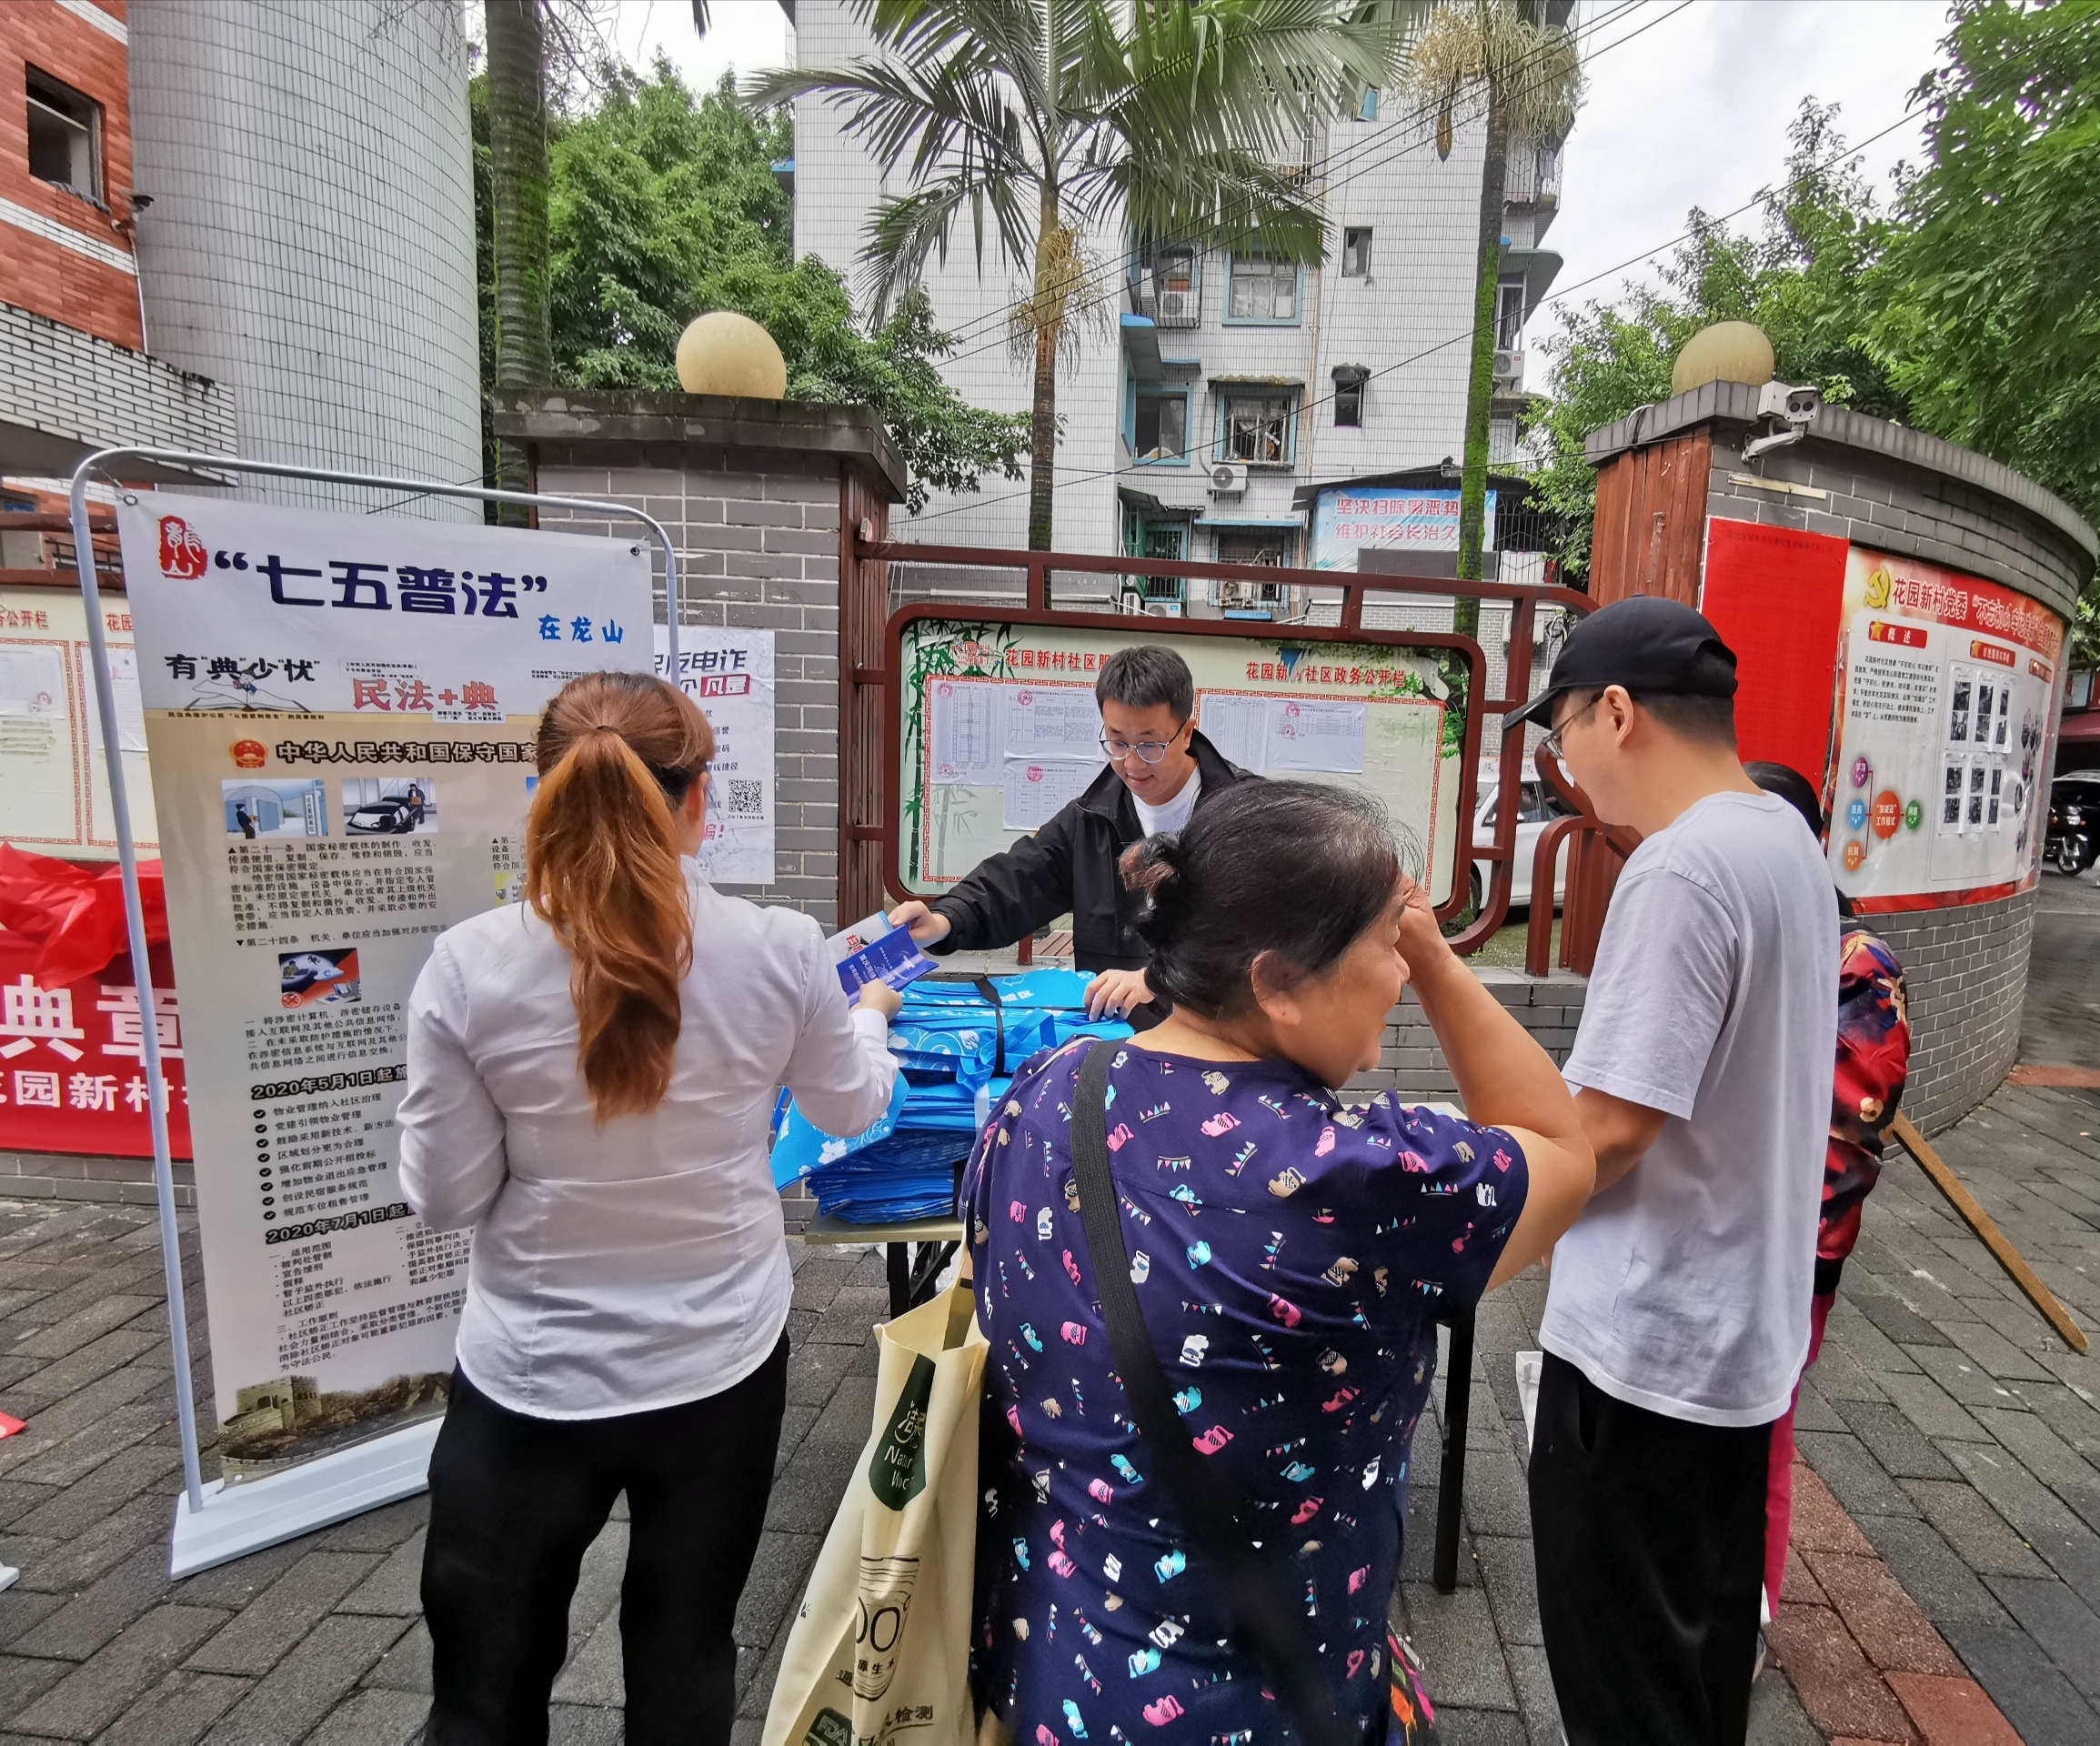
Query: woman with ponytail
point(591, 1076)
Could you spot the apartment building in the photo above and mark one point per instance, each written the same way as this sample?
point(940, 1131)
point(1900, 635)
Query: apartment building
point(1222, 399)
point(241, 227)
point(76, 371)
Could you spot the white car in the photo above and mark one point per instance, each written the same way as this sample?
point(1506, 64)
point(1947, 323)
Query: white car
point(1537, 807)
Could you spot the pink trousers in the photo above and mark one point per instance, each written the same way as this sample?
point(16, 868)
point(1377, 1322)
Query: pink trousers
point(1779, 1483)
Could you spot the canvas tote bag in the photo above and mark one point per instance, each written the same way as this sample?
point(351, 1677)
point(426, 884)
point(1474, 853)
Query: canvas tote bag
point(880, 1647)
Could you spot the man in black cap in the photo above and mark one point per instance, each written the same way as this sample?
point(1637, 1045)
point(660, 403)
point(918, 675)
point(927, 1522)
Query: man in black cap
point(1676, 1315)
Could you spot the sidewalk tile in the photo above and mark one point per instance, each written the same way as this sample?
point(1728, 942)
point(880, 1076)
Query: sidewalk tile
point(1952, 1711)
point(1978, 1533)
point(2065, 1626)
point(1456, 1636)
point(1512, 1582)
point(396, 1587)
point(374, 1718)
point(2041, 1704)
point(308, 1683)
point(1853, 1476)
point(1820, 1524)
point(1931, 1408)
point(101, 1688)
point(1930, 1572)
point(1841, 1694)
point(1903, 1451)
point(177, 1711)
point(282, 1613)
point(1884, 1620)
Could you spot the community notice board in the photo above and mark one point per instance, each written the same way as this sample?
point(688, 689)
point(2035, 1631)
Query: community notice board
point(1001, 729)
point(341, 711)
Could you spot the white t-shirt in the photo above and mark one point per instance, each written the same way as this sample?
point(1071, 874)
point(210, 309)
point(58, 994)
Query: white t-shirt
point(1175, 813)
point(1684, 1287)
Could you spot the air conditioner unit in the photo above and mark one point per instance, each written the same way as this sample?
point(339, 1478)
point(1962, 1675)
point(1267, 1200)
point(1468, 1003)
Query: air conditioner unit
point(1177, 305)
point(1509, 368)
point(1228, 479)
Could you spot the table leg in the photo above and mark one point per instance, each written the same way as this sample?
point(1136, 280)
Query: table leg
point(1451, 1481)
point(899, 1257)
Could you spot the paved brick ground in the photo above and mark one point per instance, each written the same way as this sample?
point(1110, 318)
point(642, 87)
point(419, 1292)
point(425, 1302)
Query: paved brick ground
point(1947, 1428)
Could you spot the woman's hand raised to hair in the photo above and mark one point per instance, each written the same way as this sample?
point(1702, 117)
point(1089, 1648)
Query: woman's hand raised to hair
point(1422, 942)
point(880, 996)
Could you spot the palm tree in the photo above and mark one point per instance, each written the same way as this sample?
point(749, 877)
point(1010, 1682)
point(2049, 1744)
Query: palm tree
point(1043, 118)
point(1522, 56)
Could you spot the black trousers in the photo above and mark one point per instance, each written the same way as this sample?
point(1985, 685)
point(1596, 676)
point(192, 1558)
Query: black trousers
point(514, 1503)
point(1649, 1538)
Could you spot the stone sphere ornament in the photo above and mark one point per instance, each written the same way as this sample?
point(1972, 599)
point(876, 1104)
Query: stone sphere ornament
point(1729, 351)
point(724, 353)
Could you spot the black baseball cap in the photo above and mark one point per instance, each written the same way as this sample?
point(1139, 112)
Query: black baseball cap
point(1646, 644)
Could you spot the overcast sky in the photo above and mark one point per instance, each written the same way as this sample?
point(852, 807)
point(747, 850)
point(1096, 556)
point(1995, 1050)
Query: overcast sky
point(1688, 103)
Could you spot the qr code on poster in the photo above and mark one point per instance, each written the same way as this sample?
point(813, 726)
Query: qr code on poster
point(746, 800)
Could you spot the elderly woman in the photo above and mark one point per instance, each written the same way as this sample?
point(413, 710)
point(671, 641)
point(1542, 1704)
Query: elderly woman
point(1292, 1253)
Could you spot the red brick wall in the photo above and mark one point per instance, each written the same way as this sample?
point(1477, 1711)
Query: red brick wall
point(36, 274)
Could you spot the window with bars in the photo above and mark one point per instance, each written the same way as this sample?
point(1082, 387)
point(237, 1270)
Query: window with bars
point(1263, 290)
point(1255, 427)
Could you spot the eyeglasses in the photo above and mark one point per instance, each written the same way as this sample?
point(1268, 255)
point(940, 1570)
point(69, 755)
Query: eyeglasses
point(1150, 750)
point(1552, 745)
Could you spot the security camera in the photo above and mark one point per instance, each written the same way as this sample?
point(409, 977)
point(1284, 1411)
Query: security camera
point(1785, 413)
point(1796, 405)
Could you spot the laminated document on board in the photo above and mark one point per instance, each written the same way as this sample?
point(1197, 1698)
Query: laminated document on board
point(1037, 790)
point(1314, 735)
point(1054, 721)
point(966, 730)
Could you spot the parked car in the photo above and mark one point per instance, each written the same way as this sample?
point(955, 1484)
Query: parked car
point(2072, 844)
point(393, 817)
point(1537, 807)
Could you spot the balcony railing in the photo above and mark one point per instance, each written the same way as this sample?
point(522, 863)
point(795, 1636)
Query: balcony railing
point(1534, 178)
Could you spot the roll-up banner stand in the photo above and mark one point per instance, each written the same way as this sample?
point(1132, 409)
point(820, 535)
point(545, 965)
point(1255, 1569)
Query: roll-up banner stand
point(340, 712)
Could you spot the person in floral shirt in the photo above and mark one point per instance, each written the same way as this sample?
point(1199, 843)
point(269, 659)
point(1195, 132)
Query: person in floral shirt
point(1291, 1251)
point(1874, 1048)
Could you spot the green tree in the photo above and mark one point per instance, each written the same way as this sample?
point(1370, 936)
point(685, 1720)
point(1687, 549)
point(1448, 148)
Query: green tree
point(1805, 280)
point(1989, 300)
point(1521, 55)
point(663, 206)
point(1041, 118)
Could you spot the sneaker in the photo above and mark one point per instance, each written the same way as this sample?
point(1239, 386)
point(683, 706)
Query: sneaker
point(1764, 1655)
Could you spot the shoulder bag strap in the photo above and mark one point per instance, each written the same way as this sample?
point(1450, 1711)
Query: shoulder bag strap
point(1263, 1616)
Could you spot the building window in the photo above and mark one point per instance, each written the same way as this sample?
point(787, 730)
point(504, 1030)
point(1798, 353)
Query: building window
point(1256, 427)
point(1356, 253)
point(1349, 404)
point(1159, 425)
point(1263, 289)
point(1510, 315)
point(1168, 287)
point(65, 137)
point(1367, 107)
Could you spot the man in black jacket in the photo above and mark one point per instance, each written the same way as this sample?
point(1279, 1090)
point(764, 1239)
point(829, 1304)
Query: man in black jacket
point(1159, 771)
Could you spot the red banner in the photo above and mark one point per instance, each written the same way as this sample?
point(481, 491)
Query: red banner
point(71, 1069)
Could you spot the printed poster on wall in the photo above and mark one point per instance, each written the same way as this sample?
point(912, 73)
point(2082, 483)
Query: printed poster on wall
point(729, 674)
point(340, 712)
point(1948, 703)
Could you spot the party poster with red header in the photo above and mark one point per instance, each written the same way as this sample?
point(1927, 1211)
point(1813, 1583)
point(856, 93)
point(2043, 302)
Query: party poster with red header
point(1947, 708)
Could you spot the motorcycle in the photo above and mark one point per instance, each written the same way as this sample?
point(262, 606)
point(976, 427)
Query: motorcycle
point(2073, 843)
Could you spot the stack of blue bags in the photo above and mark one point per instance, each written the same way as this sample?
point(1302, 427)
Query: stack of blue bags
point(958, 1054)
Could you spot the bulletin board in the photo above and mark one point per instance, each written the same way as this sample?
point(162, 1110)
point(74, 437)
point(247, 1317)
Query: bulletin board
point(996, 729)
point(53, 782)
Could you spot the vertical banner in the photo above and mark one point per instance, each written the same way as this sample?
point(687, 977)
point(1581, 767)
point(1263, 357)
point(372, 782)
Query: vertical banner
point(340, 712)
point(1941, 740)
point(729, 674)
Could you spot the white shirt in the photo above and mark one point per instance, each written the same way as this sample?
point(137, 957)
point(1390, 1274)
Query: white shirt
point(1175, 813)
point(1684, 1287)
point(642, 1263)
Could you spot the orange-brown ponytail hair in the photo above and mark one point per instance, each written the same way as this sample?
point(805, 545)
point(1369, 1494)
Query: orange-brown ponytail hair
point(617, 753)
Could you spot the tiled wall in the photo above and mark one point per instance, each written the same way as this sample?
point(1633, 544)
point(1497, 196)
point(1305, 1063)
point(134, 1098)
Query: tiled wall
point(311, 240)
point(56, 379)
point(1967, 973)
point(1549, 1006)
point(757, 549)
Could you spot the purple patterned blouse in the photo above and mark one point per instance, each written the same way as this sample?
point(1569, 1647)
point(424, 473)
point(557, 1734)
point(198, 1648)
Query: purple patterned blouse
point(1291, 1255)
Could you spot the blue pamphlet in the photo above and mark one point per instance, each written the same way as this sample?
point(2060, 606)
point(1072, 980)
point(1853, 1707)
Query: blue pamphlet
point(874, 951)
